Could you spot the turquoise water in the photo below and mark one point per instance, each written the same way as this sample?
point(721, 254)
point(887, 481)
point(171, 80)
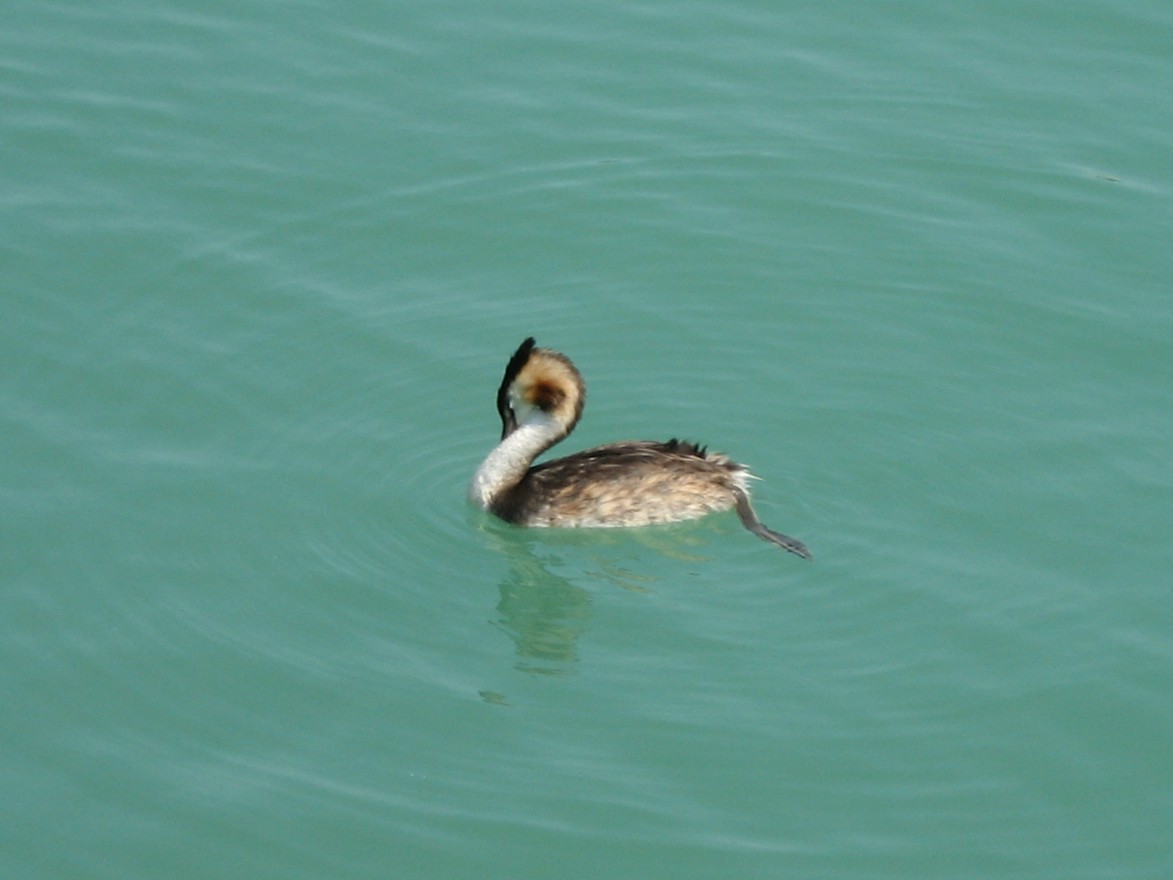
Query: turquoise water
point(263, 266)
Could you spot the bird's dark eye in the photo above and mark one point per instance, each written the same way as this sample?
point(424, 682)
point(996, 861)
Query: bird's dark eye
point(508, 421)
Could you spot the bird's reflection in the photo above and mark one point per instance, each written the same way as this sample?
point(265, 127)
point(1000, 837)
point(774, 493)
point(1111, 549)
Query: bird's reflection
point(544, 614)
point(542, 611)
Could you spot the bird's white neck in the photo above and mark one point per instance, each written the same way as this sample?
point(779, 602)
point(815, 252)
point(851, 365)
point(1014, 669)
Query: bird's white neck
point(507, 464)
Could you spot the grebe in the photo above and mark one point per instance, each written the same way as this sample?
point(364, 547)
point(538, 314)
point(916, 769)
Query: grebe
point(630, 483)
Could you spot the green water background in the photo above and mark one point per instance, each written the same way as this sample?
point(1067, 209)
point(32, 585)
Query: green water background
point(262, 267)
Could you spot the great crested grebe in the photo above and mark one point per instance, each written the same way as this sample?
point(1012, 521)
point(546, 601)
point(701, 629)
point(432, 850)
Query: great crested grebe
point(630, 483)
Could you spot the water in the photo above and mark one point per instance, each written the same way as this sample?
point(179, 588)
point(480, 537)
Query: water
point(262, 269)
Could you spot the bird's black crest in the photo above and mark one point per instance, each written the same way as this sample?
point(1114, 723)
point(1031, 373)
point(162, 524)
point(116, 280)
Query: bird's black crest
point(511, 370)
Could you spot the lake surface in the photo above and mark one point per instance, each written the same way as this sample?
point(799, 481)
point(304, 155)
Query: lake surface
point(263, 265)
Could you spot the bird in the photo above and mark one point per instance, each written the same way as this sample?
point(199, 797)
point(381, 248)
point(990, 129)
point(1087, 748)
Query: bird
point(625, 484)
